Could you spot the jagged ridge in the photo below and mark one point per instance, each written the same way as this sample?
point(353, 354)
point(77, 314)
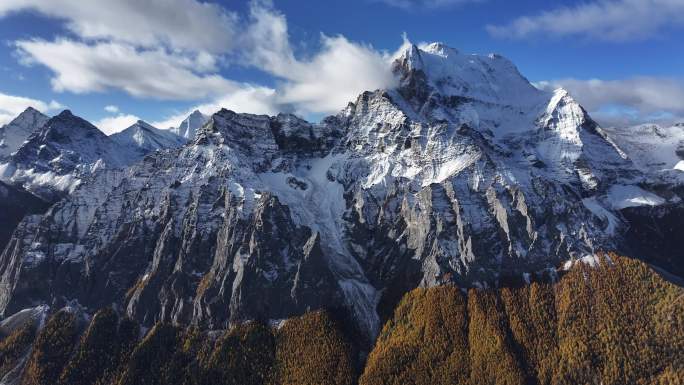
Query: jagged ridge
point(465, 173)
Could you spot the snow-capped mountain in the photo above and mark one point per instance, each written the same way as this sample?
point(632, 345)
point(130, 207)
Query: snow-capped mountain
point(53, 160)
point(147, 138)
point(464, 173)
point(652, 148)
point(15, 133)
point(188, 127)
point(66, 149)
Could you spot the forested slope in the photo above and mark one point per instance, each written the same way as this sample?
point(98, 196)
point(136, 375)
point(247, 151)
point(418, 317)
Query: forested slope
point(612, 322)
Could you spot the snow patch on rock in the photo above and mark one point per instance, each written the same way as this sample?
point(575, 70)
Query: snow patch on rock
point(623, 196)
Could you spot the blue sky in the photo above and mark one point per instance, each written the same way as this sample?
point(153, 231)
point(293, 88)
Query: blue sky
point(115, 61)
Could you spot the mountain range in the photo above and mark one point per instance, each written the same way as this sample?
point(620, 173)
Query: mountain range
point(463, 175)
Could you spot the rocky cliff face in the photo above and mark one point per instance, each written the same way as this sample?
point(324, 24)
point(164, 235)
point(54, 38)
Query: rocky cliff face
point(464, 173)
point(15, 133)
point(652, 224)
point(15, 204)
point(613, 322)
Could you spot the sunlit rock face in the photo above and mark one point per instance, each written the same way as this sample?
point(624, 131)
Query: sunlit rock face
point(464, 173)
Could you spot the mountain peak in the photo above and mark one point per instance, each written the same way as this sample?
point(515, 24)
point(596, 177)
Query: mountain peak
point(69, 124)
point(189, 126)
point(141, 124)
point(508, 178)
point(409, 58)
point(16, 132)
point(448, 72)
point(30, 110)
point(440, 49)
point(29, 116)
point(145, 138)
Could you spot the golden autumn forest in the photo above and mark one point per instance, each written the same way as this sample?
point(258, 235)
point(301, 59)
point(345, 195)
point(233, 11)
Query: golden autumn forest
point(616, 323)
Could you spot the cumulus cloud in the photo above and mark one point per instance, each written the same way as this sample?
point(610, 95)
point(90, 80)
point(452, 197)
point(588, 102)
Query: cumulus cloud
point(112, 109)
point(337, 75)
point(627, 101)
point(430, 4)
point(318, 84)
point(158, 63)
point(613, 20)
point(83, 67)
point(255, 100)
point(324, 82)
point(182, 24)
point(11, 106)
point(266, 41)
point(113, 124)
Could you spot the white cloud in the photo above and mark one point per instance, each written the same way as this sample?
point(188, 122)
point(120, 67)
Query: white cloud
point(319, 84)
point(613, 20)
point(105, 58)
point(337, 75)
point(255, 100)
point(430, 4)
point(113, 124)
point(82, 67)
point(266, 41)
point(111, 108)
point(182, 24)
point(11, 106)
point(323, 82)
point(625, 101)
